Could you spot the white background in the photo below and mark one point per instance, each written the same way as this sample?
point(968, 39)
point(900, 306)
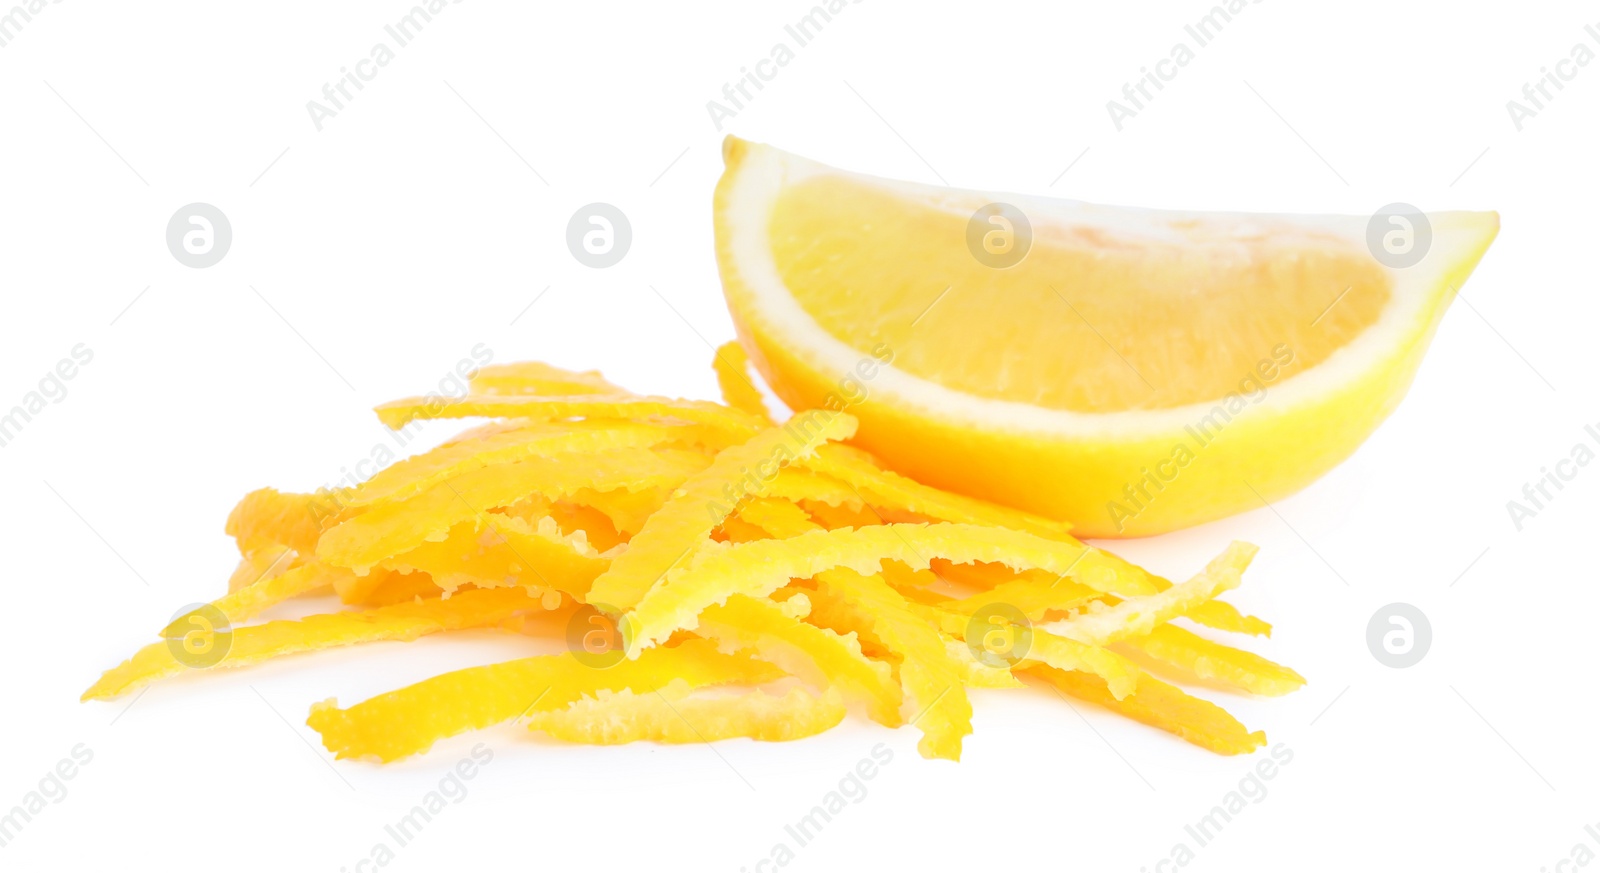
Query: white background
point(373, 255)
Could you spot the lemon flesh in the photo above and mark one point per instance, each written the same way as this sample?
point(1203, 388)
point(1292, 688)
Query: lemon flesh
point(1136, 371)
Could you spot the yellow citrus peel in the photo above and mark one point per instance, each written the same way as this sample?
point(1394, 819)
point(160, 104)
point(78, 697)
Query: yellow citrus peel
point(932, 680)
point(268, 517)
point(253, 599)
point(733, 379)
point(418, 473)
point(1210, 660)
point(1160, 705)
point(534, 377)
point(1138, 616)
point(758, 568)
point(388, 529)
point(817, 656)
point(251, 645)
point(706, 499)
point(671, 715)
point(399, 413)
point(712, 575)
point(497, 550)
point(410, 720)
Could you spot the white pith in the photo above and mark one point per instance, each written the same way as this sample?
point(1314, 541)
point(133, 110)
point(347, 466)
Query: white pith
point(1415, 295)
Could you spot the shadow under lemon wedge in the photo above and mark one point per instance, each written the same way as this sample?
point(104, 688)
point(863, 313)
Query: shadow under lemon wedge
point(1132, 371)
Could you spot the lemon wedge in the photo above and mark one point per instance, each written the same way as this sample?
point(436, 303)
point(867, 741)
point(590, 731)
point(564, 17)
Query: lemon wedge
point(1132, 371)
